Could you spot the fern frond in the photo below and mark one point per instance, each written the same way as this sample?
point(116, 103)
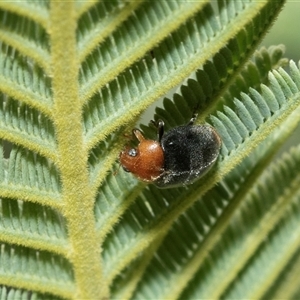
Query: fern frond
point(186, 249)
point(138, 34)
point(160, 212)
point(209, 92)
point(34, 226)
point(99, 22)
point(74, 77)
point(38, 12)
point(276, 218)
point(286, 284)
point(25, 175)
point(36, 270)
point(123, 98)
point(23, 80)
point(12, 293)
point(28, 38)
point(25, 126)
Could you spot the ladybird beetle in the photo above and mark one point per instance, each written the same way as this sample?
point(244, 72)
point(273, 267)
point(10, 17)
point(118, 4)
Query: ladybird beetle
point(179, 157)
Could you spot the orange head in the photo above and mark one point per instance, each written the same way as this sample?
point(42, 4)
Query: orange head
point(146, 161)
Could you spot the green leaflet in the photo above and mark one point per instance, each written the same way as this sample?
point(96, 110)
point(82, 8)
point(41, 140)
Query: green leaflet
point(22, 294)
point(138, 34)
point(74, 77)
point(275, 213)
point(27, 267)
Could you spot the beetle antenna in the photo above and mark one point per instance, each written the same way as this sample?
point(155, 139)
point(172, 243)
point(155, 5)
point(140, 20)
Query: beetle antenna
point(193, 119)
point(160, 129)
point(194, 115)
point(159, 124)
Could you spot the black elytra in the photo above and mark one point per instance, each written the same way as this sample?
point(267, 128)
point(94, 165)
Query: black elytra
point(189, 153)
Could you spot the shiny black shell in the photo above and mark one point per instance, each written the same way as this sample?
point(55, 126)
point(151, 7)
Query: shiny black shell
point(189, 152)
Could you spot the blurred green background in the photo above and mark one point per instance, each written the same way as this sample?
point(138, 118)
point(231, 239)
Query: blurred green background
point(286, 30)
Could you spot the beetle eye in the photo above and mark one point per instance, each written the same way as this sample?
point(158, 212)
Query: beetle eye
point(132, 152)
